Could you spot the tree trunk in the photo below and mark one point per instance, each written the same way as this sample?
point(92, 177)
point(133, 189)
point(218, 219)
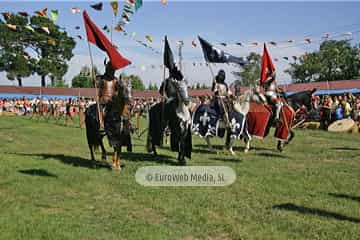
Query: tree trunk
point(19, 82)
point(43, 81)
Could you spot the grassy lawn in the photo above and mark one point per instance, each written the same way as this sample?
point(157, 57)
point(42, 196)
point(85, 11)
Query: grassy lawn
point(48, 190)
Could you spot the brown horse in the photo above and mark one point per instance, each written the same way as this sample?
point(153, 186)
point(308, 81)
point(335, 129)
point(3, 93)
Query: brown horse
point(116, 124)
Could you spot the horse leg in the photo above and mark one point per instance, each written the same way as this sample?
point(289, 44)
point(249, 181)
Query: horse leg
point(103, 151)
point(280, 146)
point(292, 135)
point(114, 159)
point(247, 144)
point(230, 145)
point(118, 160)
point(207, 139)
point(91, 147)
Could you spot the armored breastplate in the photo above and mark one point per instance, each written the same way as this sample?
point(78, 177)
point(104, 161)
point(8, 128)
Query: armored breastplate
point(107, 90)
point(221, 89)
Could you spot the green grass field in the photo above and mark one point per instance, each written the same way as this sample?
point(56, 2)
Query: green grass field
point(48, 189)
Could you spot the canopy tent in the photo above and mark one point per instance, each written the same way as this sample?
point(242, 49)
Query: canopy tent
point(331, 92)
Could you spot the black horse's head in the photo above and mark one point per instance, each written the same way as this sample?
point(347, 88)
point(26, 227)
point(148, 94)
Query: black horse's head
point(299, 99)
point(124, 89)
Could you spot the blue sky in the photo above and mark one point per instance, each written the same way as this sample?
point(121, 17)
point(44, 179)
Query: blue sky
point(216, 21)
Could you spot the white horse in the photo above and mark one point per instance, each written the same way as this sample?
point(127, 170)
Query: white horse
point(207, 125)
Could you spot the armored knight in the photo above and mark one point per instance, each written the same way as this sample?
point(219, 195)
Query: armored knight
point(221, 92)
point(271, 94)
point(107, 89)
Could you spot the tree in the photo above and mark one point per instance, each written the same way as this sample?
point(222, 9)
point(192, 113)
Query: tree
point(45, 45)
point(84, 78)
point(14, 60)
point(335, 60)
point(136, 82)
point(250, 73)
point(198, 86)
point(153, 86)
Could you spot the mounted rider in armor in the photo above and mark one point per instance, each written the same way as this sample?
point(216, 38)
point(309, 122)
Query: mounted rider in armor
point(272, 94)
point(221, 93)
point(107, 90)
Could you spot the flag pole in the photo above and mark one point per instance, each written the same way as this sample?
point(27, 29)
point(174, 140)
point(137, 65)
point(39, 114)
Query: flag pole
point(95, 85)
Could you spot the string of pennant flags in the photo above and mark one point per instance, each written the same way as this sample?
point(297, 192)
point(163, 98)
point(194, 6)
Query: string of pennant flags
point(131, 7)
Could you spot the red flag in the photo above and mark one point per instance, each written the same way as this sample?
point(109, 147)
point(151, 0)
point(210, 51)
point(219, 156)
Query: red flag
point(267, 66)
point(95, 36)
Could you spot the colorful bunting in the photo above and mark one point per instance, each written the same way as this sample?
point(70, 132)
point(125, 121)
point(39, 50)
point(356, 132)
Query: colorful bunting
point(42, 12)
point(115, 6)
point(77, 28)
point(273, 43)
point(119, 28)
point(133, 34)
point(254, 43)
point(7, 15)
point(80, 37)
point(223, 44)
point(24, 14)
point(75, 10)
point(164, 2)
point(54, 15)
point(239, 43)
point(52, 42)
point(97, 6)
point(11, 26)
point(193, 42)
point(106, 28)
point(30, 28)
point(149, 38)
point(46, 29)
point(286, 58)
point(308, 40)
point(138, 4)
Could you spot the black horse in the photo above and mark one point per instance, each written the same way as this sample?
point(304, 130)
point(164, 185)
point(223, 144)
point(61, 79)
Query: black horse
point(116, 124)
point(175, 115)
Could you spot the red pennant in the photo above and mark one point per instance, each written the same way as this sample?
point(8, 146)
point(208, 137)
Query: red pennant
point(95, 36)
point(267, 66)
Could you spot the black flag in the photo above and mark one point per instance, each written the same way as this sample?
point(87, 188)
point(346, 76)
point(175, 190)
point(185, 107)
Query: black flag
point(168, 57)
point(215, 55)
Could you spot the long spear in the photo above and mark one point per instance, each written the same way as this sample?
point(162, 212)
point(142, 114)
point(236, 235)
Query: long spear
point(95, 85)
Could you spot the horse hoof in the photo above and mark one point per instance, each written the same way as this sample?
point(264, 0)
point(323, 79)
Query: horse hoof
point(115, 168)
point(246, 150)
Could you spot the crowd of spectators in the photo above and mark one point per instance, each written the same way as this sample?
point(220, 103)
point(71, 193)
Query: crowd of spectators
point(327, 108)
point(337, 107)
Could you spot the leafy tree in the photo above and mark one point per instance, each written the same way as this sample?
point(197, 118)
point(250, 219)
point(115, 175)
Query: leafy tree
point(46, 53)
point(203, 86)
point(335, 60)
point(153, 86)
point(198, 86)
point(136, 82)
point(14, 60)
point(84, 78)
point(250, 73)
